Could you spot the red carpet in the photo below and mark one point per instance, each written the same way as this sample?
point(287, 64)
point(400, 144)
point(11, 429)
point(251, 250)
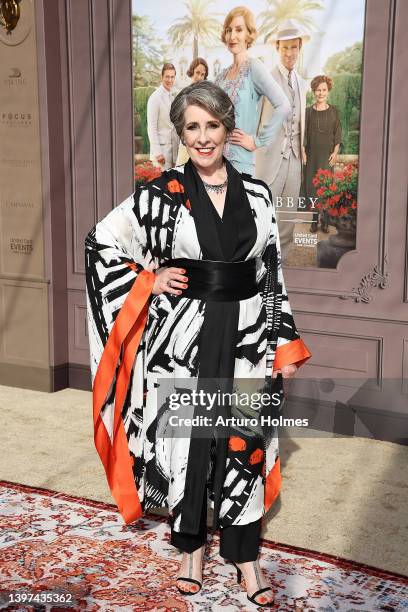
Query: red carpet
point(78, 551)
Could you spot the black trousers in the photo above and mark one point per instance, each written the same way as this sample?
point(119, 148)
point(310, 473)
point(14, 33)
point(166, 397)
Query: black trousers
point(239, 543)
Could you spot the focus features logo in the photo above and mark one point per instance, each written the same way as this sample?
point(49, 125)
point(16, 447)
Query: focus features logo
point(16, 119)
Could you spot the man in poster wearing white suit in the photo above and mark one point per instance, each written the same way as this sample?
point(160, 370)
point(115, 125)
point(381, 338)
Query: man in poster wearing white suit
point(280, 164)
point(163, 137)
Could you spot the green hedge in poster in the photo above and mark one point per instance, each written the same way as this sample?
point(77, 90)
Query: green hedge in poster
point(140, 98)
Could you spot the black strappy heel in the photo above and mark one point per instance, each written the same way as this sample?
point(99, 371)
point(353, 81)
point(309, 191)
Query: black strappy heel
point(189, 579)
point(257, 593)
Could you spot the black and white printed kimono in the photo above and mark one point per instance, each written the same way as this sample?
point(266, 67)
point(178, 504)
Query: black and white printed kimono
point(137, 339)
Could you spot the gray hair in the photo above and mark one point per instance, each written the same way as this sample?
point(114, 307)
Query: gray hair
point(208, 96)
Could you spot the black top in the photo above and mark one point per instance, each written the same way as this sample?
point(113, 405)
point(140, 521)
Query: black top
point(228, 239)
point(231, 237)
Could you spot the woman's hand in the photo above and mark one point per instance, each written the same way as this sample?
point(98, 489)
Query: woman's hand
point(333, 159)
point(287, 371)
point(238, 137)
point(170, 280)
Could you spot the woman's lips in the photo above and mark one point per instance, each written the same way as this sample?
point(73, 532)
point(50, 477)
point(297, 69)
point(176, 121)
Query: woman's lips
point(205, 152)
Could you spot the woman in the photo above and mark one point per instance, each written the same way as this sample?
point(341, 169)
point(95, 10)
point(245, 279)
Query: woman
point(322, 140)
point(184, 282)
point(198, 71)
point(245, 81)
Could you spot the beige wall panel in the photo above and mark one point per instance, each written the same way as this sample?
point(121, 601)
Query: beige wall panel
point(25, 315)
point(24, 358)
point(78, 338)
point(21, 216)
point(343, 356)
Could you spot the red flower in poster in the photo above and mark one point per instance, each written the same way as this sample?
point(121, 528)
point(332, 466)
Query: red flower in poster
point(146, 172)
point(337, 192)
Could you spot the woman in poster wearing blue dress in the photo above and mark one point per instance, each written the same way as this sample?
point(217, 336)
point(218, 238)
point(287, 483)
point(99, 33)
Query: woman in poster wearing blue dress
point(246, 81)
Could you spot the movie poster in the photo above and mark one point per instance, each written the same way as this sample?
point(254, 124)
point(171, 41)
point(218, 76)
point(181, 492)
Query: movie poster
point(313, 50)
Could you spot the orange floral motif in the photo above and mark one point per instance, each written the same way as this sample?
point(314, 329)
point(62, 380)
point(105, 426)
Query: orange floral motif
point(188, 205)
point(236, 444)
point(256, 457)
point(133, 266)
point(175, 187)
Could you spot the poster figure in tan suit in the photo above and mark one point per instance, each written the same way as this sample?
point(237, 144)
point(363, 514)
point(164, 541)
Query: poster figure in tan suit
point(163, 138)
point(280, 164)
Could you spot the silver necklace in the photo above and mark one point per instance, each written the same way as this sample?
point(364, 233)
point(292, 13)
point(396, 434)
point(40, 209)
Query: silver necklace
point(216, 188)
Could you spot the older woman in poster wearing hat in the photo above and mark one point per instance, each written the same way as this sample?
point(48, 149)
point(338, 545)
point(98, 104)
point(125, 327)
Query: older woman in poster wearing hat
point(245, 82)
point(280, 164)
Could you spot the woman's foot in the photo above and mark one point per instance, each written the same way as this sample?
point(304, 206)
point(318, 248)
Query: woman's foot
point(191, 567)
point(313, 227)
point(255, 581)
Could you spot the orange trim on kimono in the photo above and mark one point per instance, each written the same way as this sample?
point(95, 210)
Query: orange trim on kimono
point(294, 351)
point(272, 485)
point(126, 332)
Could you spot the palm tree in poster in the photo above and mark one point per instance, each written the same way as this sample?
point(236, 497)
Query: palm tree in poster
point(279, 11)
point(197, 24)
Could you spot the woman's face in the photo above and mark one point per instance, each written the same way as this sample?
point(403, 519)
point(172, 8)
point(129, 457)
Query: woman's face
point(321, 92)
point(204, 137)
point(199, 73)
point(236, 35)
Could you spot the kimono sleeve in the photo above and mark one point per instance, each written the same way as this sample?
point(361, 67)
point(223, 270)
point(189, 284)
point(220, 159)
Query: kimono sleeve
point(284, 345)
point(116, 256)
point(119, 283)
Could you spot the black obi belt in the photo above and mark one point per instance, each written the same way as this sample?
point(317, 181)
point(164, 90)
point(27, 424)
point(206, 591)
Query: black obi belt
point(218, 281)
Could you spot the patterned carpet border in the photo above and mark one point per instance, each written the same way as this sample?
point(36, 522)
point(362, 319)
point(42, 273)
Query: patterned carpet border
point(339, 562)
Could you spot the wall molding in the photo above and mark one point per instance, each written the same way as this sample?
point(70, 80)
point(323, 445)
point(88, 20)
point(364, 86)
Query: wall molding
point(377, 278)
